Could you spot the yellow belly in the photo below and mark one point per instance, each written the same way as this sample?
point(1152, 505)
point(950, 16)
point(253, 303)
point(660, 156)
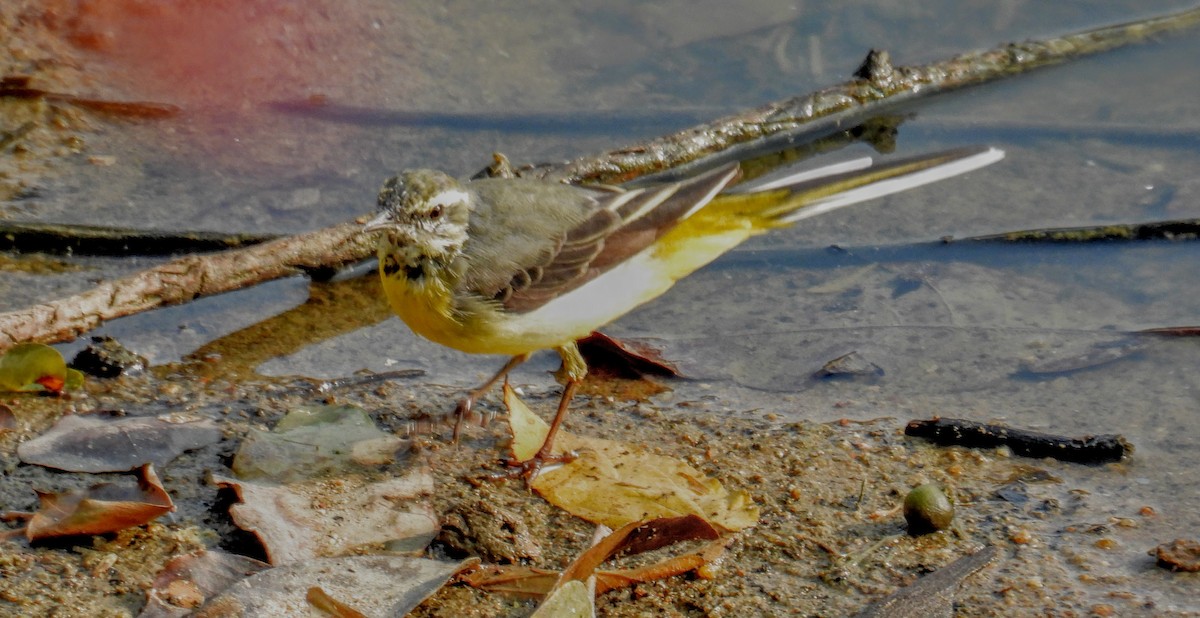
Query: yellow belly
point(430, 311)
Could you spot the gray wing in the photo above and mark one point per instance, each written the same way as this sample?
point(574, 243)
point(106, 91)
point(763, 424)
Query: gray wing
point(535, 249)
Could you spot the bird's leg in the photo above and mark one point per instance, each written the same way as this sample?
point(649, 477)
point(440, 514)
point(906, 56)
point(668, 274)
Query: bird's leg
point(464, 406)
point(575, 369)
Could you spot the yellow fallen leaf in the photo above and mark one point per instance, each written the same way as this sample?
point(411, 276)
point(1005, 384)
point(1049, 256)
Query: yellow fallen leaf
point(568, 600)
point(614, 483)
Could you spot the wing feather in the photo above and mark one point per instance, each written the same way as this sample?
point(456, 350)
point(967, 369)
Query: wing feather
point(621, 225)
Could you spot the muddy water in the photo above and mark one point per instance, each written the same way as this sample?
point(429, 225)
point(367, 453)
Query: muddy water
point(953, 328)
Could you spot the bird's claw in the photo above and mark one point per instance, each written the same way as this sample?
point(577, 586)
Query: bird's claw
point(532, 467)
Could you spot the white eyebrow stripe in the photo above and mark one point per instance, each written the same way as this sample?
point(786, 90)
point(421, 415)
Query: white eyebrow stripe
point(449, 197)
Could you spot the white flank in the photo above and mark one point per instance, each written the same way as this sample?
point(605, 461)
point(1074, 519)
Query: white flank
point(637, 280)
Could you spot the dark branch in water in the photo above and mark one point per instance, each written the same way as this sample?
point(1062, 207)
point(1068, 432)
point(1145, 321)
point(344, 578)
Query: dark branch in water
point(1178, 229)
point(64, 239)
point(17, 87)
point(1099, 449)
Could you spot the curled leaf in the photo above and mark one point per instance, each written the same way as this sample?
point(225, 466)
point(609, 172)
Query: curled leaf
point(631, 539)
point(100, 509)
point(636, 538)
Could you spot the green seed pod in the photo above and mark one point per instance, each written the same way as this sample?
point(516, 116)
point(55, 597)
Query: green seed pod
point(927, 509)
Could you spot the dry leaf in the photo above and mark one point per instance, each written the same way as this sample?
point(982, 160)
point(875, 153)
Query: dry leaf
point(704, 562)
point(311, 441)
point(512, 579)
point(624, 358)
point(100, 509)
point(374, 585)
point(331, 517)
point(638, 537)
point(186, 582)
point(318, 598)
point(103, 444)
point(613, 483)
point(573, 598)
point(631, 539)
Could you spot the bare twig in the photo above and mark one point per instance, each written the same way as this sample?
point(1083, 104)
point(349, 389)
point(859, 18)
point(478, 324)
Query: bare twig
point(878, 88)
point(182, 280)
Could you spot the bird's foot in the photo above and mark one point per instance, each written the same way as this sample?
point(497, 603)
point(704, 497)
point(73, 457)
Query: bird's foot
point(532, 467)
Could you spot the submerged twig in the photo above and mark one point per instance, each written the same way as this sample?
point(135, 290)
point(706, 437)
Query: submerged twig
point(1097, 449)
point(1178, 229)
point(932, 595)
point(17, 86)
point(63, 239)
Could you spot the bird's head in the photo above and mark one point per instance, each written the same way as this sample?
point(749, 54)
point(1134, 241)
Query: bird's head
point(423, 210)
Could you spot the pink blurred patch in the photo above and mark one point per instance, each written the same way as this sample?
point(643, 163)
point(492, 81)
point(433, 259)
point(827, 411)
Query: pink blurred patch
point(224, 53)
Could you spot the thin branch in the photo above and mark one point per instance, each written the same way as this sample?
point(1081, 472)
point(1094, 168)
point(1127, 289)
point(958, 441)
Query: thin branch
point(183, 280)
point(878, 88)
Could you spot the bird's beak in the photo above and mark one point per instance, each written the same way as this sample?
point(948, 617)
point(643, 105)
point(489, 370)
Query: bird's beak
point(381, 222)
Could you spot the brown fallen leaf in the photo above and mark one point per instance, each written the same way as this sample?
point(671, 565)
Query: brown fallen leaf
point(100, 509)
point(622, 368)
point(96, 443)
point(625, 357)
point(704, 562)
point(512, 579)
point(638, 537)
point(613, 483)
point(634, 538)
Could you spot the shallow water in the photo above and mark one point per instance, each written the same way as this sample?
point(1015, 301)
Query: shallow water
point(1107, 139)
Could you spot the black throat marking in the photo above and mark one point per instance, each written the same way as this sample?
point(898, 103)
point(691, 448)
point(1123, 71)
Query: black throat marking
point(414, 272)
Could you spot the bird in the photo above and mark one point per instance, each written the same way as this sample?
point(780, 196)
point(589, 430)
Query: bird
point(514, 266)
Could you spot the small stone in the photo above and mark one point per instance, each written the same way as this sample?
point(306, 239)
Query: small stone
point(1179, 555)
point(105, 357)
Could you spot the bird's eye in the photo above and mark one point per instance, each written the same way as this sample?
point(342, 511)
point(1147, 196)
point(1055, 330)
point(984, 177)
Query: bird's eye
point(435, 212)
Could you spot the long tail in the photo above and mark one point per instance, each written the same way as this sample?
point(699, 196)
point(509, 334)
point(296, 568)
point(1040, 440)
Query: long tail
point(816, 192)
point(737, 214)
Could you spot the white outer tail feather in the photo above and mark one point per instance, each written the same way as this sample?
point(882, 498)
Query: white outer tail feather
point(893, 185)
